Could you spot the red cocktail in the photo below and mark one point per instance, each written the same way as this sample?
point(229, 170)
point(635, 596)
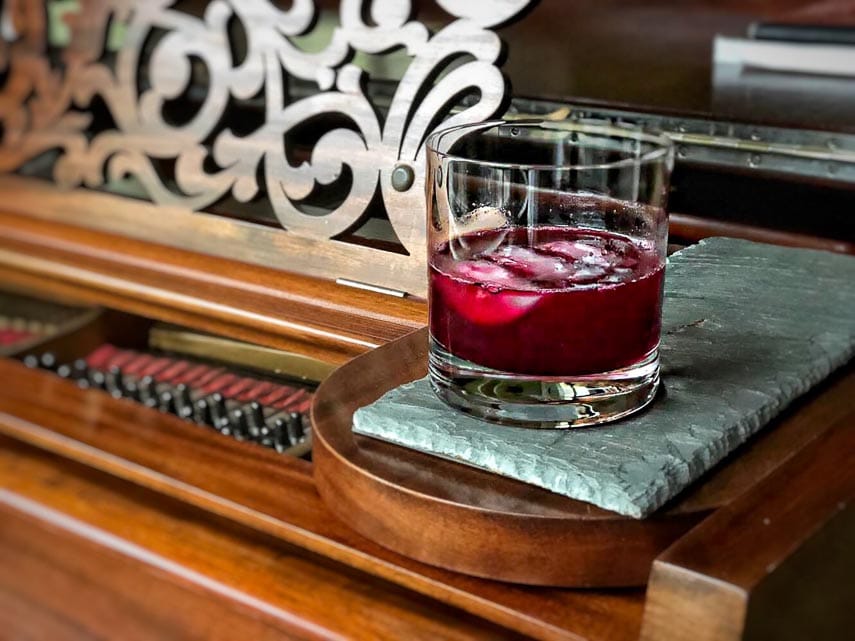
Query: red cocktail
point(546, 246)
point(572, 303)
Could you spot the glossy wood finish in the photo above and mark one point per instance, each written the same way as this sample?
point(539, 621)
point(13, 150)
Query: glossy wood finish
point(441, 513)
point(216, 235)
point(207, 538)
point(657, 55)
point(296, 313)
point(690, 229)
point(242, 136)
point(775, 564)
point(176, 572)
point(264, 306)
point(277, 496)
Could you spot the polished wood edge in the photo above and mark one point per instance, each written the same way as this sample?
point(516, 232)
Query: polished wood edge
point(441, 512)
point(242, 301)
point(707, 611)
point(214, 235)
point(25, 514)
point(271, 494)
point(704, 587)
point(171, 565)
point(438, 511)
point(683, 227)
point(573, 553)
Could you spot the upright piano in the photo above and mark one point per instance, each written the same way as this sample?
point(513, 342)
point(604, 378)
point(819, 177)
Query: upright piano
point(208, 207)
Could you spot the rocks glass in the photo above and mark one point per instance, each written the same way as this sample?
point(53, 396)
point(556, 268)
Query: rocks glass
point(546, 246)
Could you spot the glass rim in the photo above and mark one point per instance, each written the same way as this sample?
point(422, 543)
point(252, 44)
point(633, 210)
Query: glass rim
point(664, 146)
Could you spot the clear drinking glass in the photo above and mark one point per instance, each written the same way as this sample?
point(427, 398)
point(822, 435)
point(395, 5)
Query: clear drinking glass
point(546, 246)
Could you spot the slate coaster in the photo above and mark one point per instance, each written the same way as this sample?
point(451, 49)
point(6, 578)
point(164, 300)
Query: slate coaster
point(747, 328)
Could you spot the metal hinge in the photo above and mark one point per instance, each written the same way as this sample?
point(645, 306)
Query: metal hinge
point(371, 288)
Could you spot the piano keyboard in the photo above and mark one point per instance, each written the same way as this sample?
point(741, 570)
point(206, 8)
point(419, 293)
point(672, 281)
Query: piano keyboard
point(245, 407)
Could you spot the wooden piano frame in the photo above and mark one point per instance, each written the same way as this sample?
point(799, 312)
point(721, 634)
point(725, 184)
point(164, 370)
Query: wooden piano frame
point(117, 521)
point(160, 521)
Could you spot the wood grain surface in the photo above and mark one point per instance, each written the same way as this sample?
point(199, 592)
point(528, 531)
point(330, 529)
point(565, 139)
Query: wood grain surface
point(116, 520)
point(441, 513)
point(277, 496)
point(233, 298)
point(108, 115)
point(86, 556)
point(263, 306)
point(657, 55)
point(687, 229)
point(775, 564)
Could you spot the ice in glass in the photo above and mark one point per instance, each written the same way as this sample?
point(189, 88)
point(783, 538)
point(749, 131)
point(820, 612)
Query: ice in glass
point(546, 253)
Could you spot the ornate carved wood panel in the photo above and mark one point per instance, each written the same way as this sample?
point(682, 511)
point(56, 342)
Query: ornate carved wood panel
point(160, 108)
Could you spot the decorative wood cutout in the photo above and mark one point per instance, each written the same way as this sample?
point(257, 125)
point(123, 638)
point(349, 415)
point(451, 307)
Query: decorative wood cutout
point(43, 105)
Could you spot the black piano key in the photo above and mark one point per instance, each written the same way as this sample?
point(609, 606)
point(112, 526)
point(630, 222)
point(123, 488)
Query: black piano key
point(202, 412)
point(183, 402)
point(223, 421)
point(166, 401)
point(279, 433)
point(237, 422)
point(47, 361)
point(96, 378)
point(219, 412)
point(132, 391)
point(114, 382)
point(79, 372)
point(147, 391)
point(294, 427)
point(256, 425)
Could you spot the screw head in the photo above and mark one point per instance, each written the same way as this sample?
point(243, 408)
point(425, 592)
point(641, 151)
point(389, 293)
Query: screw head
point(403, 177)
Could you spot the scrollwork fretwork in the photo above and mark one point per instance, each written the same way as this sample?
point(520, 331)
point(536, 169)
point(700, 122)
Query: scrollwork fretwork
point(43, 106)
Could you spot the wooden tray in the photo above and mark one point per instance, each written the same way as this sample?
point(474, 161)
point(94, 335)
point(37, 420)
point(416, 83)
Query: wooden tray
point(460, 518)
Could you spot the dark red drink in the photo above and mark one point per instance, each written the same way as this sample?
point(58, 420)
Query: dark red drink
point(551, 301)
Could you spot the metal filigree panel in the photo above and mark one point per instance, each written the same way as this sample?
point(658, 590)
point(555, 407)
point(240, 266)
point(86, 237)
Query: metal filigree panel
point(47, 99)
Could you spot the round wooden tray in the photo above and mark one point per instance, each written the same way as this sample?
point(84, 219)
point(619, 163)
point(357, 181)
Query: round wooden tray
point(464, 519)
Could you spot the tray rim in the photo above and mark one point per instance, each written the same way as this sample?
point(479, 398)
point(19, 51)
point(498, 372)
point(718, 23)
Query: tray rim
point(338, 454)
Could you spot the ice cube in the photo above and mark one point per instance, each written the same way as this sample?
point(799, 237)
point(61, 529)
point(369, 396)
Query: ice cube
point(530, 263)
point(484, 293)
point(484, 217)
point(626, 263)
point(584, 274)
point(483, 272)
point(598, 261)
point(473, 245)
point(618, 275)
point(483, 307)
point(572, 250)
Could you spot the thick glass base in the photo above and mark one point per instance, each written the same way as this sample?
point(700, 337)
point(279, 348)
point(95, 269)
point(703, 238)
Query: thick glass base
point(535, 401)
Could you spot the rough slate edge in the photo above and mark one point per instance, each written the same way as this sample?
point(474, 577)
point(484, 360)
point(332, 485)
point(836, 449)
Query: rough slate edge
point(635, 482)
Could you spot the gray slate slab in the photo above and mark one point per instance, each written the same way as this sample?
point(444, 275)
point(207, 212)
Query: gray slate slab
point(747, 328)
